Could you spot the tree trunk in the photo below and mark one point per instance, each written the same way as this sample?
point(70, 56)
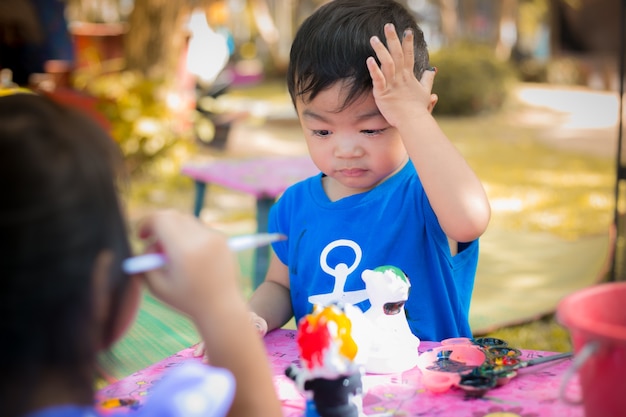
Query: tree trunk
point(156, 36)
point(449, 20)
point(507, 28)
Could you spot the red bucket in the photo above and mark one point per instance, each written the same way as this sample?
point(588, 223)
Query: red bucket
point(596, 320)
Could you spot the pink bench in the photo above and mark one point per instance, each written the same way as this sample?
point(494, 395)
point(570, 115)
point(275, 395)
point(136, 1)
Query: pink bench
point(265, 178)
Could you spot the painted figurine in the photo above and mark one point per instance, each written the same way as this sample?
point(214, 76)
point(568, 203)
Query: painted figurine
point(331, 376)
point(394, 346)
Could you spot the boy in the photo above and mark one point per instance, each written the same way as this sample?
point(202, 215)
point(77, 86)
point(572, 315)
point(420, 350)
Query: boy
point(393, 190)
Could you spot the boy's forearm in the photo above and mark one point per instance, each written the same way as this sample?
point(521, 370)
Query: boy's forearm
point(272, 302)
point(231, 342)
point(453, 189)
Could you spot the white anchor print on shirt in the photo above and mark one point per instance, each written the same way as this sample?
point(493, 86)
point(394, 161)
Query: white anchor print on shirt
point(340, 272)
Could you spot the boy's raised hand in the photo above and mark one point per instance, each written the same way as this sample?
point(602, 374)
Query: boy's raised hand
point(398, 93)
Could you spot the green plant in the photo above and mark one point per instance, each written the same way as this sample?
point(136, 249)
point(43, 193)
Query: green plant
point(470, 79)
point(143, 122)
point(565, 71)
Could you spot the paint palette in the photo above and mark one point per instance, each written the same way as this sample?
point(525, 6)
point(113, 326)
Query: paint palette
point(443, 367)
point(475, 366)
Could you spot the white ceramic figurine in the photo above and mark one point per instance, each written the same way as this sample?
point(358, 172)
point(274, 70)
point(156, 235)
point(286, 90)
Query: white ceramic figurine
point(393, 347)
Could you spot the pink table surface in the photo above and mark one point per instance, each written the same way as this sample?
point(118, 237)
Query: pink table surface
point(533, 393)
point(261, 177)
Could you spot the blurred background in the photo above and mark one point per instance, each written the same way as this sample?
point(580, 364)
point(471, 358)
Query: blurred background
point(530, 91)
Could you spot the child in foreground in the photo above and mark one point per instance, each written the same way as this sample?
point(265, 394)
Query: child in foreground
point(64, 296)
point(393, 190)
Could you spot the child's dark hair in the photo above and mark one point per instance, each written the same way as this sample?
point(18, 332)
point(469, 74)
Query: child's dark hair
point(333, 44)
point(59, 210)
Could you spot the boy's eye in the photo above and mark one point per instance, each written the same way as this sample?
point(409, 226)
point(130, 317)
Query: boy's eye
point(373, 131)
point(321, 133)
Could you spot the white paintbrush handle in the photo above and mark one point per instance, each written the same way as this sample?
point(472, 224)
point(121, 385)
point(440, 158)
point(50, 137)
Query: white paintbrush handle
point(150, 261)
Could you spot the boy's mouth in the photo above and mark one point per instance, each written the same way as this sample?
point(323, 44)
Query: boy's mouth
point(352, 172)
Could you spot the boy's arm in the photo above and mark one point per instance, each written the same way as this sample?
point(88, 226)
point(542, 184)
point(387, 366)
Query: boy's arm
point(271, 300)
point(453, 189)
point(201, 280)
point(232, 343)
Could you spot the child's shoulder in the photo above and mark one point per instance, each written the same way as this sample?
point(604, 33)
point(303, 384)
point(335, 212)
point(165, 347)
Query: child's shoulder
point(215, 385)
point(304, 186)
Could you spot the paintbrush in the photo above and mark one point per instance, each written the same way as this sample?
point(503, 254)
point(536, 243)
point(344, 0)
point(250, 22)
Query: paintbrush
point(149, 261)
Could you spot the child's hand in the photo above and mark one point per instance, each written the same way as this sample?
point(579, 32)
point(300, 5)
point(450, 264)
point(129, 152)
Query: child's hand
point(201, 271)
point(200, 351)
point(259, 324)
point(398, 94)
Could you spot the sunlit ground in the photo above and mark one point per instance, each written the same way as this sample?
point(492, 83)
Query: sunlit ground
point(532, 186)
point(535, 180)
point(576, 107)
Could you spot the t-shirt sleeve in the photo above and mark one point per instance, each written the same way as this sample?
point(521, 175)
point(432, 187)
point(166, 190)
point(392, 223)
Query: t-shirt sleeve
point(278, 223)
point(191, 390)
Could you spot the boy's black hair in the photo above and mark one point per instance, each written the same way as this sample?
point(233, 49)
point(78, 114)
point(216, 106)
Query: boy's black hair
point(59, 209)
point(333, 45)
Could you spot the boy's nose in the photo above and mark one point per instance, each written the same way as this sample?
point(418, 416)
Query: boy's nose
point(348, 148)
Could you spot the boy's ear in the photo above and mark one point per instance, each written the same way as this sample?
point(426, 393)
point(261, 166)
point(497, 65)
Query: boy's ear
point(100, 292)
point(125, 315)
point(434, 98)
point(111, 325)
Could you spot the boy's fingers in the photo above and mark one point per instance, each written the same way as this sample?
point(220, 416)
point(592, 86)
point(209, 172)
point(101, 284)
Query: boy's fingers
point(393, 42)
point(407, 48)
point(149, 224)
point(144, 229)
point(259, 323)
point(428, 78)
point(199, 350)
point(383, 54)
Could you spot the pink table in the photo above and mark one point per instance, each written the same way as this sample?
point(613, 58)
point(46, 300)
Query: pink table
point(265, 178)
point(533, 393)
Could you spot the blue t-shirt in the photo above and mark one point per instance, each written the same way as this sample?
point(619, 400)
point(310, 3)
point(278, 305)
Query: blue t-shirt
point(189, 390)
point(330, 244)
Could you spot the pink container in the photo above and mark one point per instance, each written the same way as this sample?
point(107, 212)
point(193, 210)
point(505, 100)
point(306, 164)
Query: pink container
point(438, 380)
point(596, 320)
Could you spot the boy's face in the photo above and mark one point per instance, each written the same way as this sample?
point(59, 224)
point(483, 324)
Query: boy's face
point(356, 148)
